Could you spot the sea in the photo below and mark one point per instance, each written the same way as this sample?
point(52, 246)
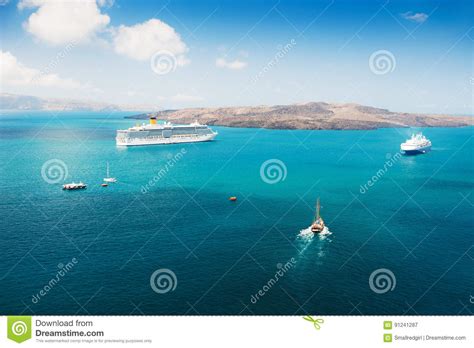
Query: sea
point(166, 239)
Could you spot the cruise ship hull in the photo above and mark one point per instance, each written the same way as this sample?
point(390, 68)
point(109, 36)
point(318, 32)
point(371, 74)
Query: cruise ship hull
point(164, 141)
point(412, 150)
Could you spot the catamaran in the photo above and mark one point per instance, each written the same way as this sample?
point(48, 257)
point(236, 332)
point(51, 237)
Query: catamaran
point(318, 223)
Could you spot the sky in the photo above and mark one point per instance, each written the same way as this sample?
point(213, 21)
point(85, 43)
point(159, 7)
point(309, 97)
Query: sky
point(412, 56)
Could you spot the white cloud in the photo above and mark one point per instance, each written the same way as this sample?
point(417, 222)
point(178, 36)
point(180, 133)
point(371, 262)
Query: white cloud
point(415, 17)
point(4, 2)
point(78, 21)
point(143, 40)
point(59, 22)
point(15, 73)
point(233, 65)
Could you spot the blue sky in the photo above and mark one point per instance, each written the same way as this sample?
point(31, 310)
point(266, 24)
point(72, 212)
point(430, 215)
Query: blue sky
point(414, 56)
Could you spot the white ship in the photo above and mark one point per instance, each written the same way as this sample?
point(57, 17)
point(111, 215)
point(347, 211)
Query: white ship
point(74, 186)
point(166, 133)
point(416, 144)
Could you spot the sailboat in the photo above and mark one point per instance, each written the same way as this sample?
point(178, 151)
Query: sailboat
point(318, 224)
point(108, 178)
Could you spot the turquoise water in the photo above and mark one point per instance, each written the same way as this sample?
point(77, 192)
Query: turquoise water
point(416, 220)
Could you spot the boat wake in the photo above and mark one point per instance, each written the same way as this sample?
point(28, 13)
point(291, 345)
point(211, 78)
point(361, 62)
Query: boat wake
point(307, 234)
point(306, 237)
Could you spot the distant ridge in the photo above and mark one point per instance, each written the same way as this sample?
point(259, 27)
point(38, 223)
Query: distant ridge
point(25, 102)
point(313, 115)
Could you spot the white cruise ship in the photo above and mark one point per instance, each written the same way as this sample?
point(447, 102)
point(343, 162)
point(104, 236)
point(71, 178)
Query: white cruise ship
point(166, 133)
point(416, 144)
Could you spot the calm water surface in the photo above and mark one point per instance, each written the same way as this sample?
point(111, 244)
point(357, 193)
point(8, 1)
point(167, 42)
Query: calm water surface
point(416, 220)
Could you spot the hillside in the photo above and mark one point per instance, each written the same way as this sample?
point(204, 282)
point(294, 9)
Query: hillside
point(314, 115)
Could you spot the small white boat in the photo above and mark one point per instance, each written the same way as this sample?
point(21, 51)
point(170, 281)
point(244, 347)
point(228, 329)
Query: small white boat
point(74, 186)
point(418, 143)
point(108, 178)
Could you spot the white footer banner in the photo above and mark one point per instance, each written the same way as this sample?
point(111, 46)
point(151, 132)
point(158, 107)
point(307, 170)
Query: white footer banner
point(236, 331)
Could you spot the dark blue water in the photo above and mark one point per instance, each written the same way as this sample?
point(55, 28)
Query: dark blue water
point(416, 220)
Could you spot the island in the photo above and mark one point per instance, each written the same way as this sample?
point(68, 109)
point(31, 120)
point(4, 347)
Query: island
point(313, 115)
